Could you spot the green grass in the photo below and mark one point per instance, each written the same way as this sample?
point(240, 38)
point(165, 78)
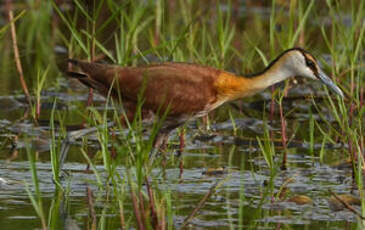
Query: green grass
point(142, 32)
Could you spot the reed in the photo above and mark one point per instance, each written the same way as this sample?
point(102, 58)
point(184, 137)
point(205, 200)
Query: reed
point(133, 185)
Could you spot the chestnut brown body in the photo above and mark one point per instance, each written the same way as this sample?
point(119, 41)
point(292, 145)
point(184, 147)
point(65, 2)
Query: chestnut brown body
point(182, 90)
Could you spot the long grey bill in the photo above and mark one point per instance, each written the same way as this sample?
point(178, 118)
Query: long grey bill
point(328, 82)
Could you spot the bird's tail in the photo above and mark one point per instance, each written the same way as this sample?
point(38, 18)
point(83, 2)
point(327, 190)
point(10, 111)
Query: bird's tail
point(88, 75)
point(77, 75)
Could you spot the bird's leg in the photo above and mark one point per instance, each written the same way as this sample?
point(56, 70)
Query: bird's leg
point(163, 135)
point(163, 147)
point(161, 140)
point(160, 145)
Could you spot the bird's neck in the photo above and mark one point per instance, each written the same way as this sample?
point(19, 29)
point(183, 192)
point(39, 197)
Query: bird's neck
point(275, 74)
point(231, 87)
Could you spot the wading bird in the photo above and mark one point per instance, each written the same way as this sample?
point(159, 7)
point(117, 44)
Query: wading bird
point(188, 91)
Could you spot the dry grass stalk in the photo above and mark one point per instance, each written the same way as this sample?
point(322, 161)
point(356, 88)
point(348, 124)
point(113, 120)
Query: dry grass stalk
point(9, 8)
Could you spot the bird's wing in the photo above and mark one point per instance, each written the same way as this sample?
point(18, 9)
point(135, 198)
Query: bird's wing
point(177, 87)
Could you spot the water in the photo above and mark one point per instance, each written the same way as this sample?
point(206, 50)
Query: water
point(246, 174)
point(250, 193)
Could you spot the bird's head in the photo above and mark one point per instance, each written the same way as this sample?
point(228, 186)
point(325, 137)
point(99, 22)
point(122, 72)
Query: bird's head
point(299, 62)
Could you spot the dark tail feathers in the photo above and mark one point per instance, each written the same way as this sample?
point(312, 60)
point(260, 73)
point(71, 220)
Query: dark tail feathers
point(73, 61)
point(85, 78)
point(76, 75)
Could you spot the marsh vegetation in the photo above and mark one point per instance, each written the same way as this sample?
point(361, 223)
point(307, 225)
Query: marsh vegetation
point(228, 173)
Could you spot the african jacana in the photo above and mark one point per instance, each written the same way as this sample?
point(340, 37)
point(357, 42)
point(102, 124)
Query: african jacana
point(188, 91)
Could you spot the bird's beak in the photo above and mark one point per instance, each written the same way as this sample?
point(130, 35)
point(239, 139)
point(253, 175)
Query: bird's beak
point(328, 82)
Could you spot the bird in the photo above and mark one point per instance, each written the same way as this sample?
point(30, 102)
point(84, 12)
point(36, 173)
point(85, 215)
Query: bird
point(187, 91)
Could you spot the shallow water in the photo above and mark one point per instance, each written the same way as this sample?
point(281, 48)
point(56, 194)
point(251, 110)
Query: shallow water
point(246, 174)
point(310, 178)
point(224, 151)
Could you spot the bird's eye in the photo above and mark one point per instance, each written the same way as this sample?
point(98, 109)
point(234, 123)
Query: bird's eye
point(310, 64)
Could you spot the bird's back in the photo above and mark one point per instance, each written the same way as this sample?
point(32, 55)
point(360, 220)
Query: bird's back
point(182, 88)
